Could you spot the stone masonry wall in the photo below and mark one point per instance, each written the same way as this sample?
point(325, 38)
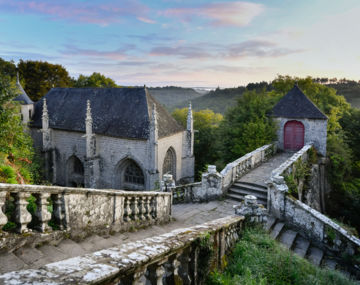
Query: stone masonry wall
point(315, 133)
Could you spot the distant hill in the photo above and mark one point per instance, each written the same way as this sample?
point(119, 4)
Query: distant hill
point(218, 100)
point(350, 90)
point(170, 96)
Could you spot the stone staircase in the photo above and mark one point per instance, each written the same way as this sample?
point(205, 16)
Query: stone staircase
point(303, 247)
point(240, 189)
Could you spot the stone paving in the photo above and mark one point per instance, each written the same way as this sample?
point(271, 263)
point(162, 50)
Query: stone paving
point(262, 173)
point(184, 215)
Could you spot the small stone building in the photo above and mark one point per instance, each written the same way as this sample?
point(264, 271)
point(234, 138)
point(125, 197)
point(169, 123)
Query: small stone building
point(26, 104)
point(299, 122)
point(118, 138)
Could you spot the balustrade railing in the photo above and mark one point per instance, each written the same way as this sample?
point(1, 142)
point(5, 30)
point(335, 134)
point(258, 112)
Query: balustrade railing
point(79, 211)
point(184, 256)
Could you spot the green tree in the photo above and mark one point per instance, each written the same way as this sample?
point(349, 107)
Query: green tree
point(94, 80)
point(41, 76)
point(7, 68)
point(247, 125)
point(16, 146)
point(206, 123)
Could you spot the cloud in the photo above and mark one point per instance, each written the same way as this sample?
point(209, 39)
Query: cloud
point(94, 12)
point(118, 54)
point(146, 20)
point(152, 37)
point(219, 14)
point(251, 48)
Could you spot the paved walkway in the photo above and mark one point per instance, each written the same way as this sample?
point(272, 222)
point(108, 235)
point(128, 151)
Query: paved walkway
point(262, 173)
point(184, 215)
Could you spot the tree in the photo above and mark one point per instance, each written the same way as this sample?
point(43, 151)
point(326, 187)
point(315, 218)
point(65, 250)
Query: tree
point(94, 80)
point(206, 123)
point(16, 146)
point(41, 76)
point(247, 125)
point(7, 68)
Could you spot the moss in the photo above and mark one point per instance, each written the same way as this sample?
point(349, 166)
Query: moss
point(206, 253)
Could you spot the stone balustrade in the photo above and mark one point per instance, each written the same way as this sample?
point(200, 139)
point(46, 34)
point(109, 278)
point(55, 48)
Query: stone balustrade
point(183, 256)
point(77, 211)
point(310, 222)
point(236, 169)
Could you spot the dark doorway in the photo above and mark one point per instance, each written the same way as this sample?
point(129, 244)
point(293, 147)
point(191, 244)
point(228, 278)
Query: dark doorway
point(293, 135)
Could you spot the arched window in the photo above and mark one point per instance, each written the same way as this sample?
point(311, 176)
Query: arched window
point(133, 174)
point(75, 172)
point(129, 176)
point(169, 165)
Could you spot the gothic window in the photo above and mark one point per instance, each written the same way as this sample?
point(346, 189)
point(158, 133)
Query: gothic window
point(169, 165)
point(78, 166)
point(133, 174)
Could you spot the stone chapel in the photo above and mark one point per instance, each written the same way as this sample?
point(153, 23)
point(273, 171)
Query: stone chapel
point(118, 138)
point(300, 122)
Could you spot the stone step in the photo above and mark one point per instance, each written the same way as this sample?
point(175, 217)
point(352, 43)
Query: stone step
point(244, 192)
point(301, 246)
point(240, 198)
point(10, 262)
point(287, 238)
point(251, 184)
point(329, 263)
point(29, 254)
point(277, 230)
point(253, 188)
point(315, 255)
point(51, 254)
point(270, 223)
point(71, 248)
point(95, 243)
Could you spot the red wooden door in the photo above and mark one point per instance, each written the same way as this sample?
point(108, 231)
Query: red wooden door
point(293, 135)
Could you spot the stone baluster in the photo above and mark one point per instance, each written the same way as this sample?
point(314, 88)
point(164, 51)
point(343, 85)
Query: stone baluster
point(159, 273)
point(136, 210)
point(153, 207)
point(139, 277)
point(3, 217)
point(142, 208)
point(148, 208)
point(42, 214)
point(22, 215)
point(58, 214)
point(127, 209)
point(176, 268)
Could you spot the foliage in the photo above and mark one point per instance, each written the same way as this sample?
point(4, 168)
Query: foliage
point(206, 252)
point(206, 123)
point(41, 76)
point(94, 80)
point(292, 185)
point(258, 259)
point(16, 150)
point(7, 68)
point(247, 125)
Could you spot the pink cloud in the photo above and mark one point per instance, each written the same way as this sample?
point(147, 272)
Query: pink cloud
point(86, 12)
point(219, 14)
point(118, 54)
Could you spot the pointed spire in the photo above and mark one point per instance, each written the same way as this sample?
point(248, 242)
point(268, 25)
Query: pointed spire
point(45, 116)
point(154, 116)
point(189, 124)
point(88, 120)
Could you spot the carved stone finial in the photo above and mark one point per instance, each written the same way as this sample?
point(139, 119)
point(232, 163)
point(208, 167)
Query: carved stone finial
point(45, 116)
point(154, 115)
point(17, 78)
point(189, 123)
point(88, 120)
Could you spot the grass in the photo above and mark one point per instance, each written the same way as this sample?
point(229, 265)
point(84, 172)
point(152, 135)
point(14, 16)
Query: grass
point(258, 259)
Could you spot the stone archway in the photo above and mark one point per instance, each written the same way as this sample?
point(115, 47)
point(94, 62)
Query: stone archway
point(129, 176)
point(294, 133)
point(169, 164)
point(74, 172)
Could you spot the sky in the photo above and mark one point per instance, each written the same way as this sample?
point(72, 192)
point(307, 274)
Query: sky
point(186, 43)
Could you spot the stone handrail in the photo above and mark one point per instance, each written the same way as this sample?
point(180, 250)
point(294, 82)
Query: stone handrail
point(79, 211)
point(185, 193)
point(236, 169)
point(309, 221)
point(183, 256)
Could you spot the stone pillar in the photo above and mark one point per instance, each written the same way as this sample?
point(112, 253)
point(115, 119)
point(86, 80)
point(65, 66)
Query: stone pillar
point(92, 163)
point(211, 185)
point(167, 184)
point(251, 210)
point(153, 148)
point(22, 215)
point(49, 152)
point(3, 217)
point(188, 160)
point(277, 190)
point(190, 132)
point(42, 214)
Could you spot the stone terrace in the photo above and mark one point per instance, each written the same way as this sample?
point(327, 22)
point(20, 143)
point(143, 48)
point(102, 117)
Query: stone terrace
point(184, 215)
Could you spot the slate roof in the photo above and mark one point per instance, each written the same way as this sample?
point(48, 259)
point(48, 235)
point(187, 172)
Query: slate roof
point(117, 112)
point(23, 98)
point(295, 104)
